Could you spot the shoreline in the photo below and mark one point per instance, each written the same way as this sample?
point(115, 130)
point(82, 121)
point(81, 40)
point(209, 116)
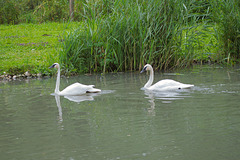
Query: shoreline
point(27, 75)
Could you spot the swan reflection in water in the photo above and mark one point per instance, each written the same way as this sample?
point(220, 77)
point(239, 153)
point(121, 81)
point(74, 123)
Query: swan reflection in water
point(77, 99)
point(57, 98)
point(165, 96)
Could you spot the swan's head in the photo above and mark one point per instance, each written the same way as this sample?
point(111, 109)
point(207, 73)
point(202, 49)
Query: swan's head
point(55, 65)
point(147, 67)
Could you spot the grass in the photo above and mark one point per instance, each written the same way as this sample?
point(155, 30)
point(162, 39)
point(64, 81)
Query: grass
point(30, 47)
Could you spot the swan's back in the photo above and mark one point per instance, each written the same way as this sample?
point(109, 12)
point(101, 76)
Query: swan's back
point(78, 89)
point(168, 84)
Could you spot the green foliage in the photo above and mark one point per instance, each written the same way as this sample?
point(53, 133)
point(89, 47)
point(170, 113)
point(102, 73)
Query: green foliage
point(8, 12)
point(227, 15)
point(120, 35)
point(133, 33)
point(33, 11)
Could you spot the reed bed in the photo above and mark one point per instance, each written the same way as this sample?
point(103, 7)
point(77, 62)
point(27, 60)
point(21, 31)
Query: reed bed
point(124, 35)
point(227, 15)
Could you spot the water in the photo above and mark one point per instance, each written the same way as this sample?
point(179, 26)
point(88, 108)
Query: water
point(124, 122)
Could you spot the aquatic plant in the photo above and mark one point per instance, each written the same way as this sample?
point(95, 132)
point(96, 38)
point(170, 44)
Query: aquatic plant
point(131, 33)
point(227, 15)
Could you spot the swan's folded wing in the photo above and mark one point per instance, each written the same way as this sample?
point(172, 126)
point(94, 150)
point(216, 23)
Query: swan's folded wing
point(76, 89)
point(93, 90)
point(168, 84)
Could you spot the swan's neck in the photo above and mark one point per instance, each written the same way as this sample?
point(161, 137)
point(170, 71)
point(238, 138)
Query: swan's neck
point(150, 81)
point(58, 82)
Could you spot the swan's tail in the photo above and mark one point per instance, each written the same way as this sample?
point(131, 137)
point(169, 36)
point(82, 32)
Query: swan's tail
point(93, 90)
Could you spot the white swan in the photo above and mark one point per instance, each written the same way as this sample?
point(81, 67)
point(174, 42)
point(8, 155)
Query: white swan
point(74, 89)
point(166, 84)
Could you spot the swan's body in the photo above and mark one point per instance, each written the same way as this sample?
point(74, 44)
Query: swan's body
point(166, 84)
point(74, 89)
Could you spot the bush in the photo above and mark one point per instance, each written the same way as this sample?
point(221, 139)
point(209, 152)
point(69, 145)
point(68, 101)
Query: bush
point(9, 12)
point(34, 11)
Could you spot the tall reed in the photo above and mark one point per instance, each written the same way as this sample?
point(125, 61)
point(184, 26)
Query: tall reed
point(227, 15)
point(131, 33)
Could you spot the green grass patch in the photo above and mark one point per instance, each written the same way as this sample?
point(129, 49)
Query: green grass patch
point(31, 47)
